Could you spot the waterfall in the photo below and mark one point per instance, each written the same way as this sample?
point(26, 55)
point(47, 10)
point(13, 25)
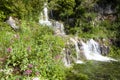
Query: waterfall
point(89, 50)
point(44, 20)
point(94, 46)
point(77, 50)
point(58, 27)
point(92, 51)
point(45, 12)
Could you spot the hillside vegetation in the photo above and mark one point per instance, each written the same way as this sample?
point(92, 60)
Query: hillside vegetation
point(34, 50)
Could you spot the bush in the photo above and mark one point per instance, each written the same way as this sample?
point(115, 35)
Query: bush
point(34, 51)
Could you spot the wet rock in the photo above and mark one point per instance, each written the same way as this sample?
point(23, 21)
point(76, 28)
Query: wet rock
point(58, 27)
point(104, 50)
point(12, 23)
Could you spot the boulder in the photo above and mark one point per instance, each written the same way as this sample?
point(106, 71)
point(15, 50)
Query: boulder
point(12, 23)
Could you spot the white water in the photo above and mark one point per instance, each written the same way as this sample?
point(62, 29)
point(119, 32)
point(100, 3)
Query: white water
point(44, 20)
point(90, 49)
point(44, 17)
point(45, 12)
point(77, 50)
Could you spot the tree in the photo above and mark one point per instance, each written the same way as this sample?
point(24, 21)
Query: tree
point(21, 8)
point(63, 8)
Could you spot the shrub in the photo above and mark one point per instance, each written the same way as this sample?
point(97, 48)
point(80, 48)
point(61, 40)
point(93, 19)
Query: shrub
point(34, 51)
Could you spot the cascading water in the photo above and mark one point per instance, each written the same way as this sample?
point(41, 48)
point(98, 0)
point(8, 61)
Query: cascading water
point(91, 50)
point(44, 17)
point(77, 50)
point(93, 46)
point(58, 27)
point(46, 12)
point(44, 20)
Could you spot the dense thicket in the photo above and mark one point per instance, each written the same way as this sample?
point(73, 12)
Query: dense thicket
point(21, 9)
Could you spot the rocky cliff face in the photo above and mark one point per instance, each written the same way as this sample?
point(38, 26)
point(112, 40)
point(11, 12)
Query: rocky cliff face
point(106, 9)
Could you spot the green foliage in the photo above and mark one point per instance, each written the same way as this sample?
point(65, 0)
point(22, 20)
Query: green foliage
point(1, 15)
point(84, 16)
point(75, 76)
point(33, 51)
point(93, 70)
point(114, 52)
point(64, 8)
point(21, 8)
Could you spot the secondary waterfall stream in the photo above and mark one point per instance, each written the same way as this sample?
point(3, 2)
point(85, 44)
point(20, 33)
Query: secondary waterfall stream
point(89, 50)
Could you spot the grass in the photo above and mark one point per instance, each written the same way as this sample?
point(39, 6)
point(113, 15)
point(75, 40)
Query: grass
point(93, 70)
